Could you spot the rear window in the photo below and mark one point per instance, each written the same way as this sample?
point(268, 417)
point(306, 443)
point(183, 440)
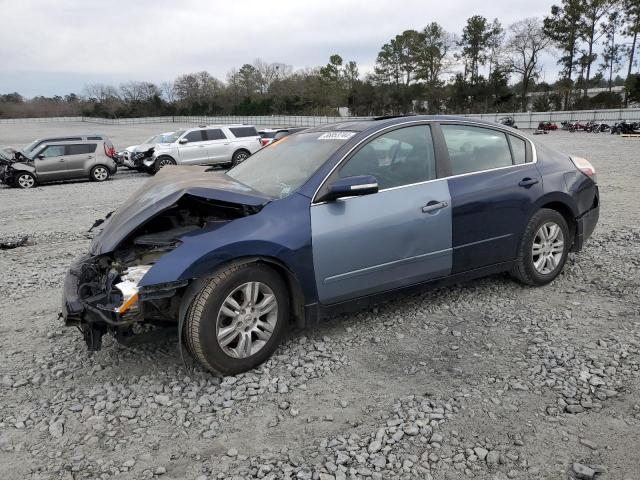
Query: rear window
point(215, 134)
point(80, 149)
point(239, 132)
point(267, 134)
point(280, 135)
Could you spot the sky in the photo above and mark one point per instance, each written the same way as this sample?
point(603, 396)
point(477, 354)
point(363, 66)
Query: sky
point(54, 48)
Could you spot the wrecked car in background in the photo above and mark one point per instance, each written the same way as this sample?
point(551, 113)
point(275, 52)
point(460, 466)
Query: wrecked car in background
point(328, 220)
point(58, 160)
point(132, 157)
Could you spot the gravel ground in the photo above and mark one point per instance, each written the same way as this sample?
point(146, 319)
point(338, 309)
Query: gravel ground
point(486, 380)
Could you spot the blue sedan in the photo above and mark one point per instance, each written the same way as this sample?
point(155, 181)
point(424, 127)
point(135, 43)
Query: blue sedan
point(331, 219)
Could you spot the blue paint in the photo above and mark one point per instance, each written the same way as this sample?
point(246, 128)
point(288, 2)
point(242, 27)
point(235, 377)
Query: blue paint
point(368, 244)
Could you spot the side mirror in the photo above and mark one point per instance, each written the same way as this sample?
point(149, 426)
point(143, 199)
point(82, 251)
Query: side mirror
point(40, 156)
point(350, 187)
point(182, 141)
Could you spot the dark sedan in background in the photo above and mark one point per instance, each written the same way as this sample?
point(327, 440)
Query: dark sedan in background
point(331, 219)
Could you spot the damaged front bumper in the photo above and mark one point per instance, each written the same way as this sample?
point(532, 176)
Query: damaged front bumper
point(93, 302)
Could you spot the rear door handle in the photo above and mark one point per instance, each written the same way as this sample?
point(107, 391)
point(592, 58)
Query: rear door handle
point(527, 182)
point(434, 206)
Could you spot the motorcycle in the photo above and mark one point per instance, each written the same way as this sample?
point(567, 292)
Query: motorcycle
point(547, 126)
point(508, 121)
point(625, 127)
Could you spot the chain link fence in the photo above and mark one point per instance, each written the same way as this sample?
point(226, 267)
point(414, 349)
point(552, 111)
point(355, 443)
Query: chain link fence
point(523, 120)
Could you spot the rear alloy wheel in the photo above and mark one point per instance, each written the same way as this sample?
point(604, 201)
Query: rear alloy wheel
point(25, 180)
point(543, 249)
point(239, 157)
point(100, 173)
point(237, 320)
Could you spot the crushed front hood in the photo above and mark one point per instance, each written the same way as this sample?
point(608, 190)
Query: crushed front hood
point(164, 190)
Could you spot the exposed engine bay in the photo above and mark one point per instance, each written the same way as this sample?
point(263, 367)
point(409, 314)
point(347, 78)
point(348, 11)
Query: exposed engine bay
point(8, 158)
point(108, 297)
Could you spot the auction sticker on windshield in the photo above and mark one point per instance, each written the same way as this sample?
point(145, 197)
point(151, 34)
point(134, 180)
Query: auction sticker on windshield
point(336, 136)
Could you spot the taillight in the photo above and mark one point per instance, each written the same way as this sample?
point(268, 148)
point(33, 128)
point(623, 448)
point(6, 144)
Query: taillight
point(264, 141)
point(585, 167)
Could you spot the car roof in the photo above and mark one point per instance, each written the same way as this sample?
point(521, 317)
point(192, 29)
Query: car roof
point(65, 137)
point(362, 125)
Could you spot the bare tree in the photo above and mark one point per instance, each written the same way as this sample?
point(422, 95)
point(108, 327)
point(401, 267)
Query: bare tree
point(526, 40)
point(167, 91)
point(100, 92)
point(138, 91)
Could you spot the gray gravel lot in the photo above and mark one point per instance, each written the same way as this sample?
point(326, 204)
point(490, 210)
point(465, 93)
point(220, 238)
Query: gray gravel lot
point(488, 380)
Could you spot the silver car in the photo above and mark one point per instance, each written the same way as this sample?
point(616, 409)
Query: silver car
point(59, 160)
point(206, 145)
point(132, 156)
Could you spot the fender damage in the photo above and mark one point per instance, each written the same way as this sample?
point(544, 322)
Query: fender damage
point(103, 290)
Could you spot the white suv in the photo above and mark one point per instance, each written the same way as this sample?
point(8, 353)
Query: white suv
point(205, 145)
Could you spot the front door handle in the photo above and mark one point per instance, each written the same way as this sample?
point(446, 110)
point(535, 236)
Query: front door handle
point(434, 206)
point(527, 182)
point(61, 160)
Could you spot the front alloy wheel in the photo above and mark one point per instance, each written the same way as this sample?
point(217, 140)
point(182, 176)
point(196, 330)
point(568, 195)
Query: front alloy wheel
point(246, 319)
point(237, 319)
point(25, 180)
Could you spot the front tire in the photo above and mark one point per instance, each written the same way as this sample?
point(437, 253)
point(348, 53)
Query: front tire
point(543, 249)
point(99, 173)
point(162, 162)
point(237, 320)
point(24, 180)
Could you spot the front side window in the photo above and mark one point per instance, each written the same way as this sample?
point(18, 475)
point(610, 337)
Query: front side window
point(80, 149)
point(400, 157)
point(194, 136)
point(53, 151)
point(215, 134)
point(285, 166)
point(474, 149)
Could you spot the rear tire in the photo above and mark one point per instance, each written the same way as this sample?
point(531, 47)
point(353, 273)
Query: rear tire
point(231, 332)
point(24, 180)
point(543, 249)
point(99, 173)
point(239, 157)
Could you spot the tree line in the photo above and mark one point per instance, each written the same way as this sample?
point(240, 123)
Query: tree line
point(487, 67)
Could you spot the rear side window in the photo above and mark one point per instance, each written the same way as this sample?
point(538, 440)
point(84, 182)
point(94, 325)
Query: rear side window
point(239, 132)
point(80, 149)
point(94, 138)
point(474, 149)
point(400, 157)
point(267, 134)
point(194, 136)
point(215, 134)
point(519, 150)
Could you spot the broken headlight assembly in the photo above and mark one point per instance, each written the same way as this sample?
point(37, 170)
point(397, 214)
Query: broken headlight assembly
point(128, 286)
